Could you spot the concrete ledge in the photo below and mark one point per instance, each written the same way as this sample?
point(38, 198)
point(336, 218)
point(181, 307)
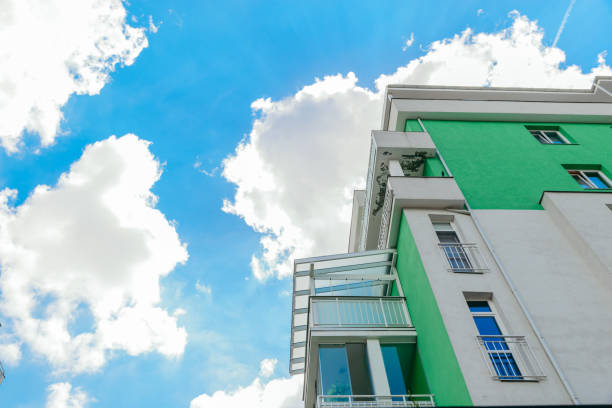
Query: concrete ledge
point(421, 192)
point(426, 192)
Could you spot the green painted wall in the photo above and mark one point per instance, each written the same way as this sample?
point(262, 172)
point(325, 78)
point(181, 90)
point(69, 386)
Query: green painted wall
point(433, 168)
point(500, 165)
point(412, 125)
point(440, 369)
point(418, 381)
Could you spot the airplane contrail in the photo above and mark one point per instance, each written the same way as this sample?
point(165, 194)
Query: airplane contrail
point(562, 26)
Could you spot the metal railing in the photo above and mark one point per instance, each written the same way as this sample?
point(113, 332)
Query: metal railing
point(510, 358)
point(357, 311)
point(385, 219)
point(375, 401)
point(463, 258)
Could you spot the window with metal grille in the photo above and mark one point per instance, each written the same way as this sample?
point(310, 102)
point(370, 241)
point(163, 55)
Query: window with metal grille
point(452, 248)
point(493, 341)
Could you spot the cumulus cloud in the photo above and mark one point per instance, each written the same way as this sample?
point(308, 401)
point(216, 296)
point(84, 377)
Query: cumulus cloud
point(62, 395)
point(267, 367)
point(72, 50)
point(305, 153)
point(292, 171)
point(81, 261)
point(277, 393)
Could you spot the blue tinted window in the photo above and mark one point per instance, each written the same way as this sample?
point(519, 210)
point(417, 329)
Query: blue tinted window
point(505, 366)
point(554, 137)
point(596, 180)
point(487, 325)
point(580, 181)
point(393, 366)
point(479, 306)
point(335, 378)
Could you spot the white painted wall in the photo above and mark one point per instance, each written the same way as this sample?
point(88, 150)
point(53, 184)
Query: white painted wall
point(559, 260)
point(449, 288)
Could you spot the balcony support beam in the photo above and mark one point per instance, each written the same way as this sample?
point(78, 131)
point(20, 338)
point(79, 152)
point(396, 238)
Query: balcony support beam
point(377, 368)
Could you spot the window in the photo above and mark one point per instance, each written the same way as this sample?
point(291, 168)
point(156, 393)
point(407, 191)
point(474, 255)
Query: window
point(549, 136)
point(590, 179)
point(344, 370)
point(493, 341)
point(397, 359)
point(453, 249)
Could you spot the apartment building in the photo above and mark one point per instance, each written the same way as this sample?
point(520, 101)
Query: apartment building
point(479, 267)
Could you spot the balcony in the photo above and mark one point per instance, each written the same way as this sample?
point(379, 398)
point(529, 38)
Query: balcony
point(356, 275)
point(375, 401)
point(463, 258)
point(342, 312)
point(509, 358)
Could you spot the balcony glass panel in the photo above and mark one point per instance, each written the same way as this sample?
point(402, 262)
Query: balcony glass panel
point(351, 311)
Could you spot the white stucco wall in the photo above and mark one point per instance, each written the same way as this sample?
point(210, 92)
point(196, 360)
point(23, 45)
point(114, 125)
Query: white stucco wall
point(449, 288)
point(559, 260)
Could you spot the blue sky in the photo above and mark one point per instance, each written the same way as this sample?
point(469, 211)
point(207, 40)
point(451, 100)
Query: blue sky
point(189, 93)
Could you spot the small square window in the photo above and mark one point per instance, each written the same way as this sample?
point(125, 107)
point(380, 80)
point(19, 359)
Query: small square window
point(590, 179)
point(549, 136)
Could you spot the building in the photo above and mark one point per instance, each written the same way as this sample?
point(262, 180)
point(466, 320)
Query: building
point(479, 268)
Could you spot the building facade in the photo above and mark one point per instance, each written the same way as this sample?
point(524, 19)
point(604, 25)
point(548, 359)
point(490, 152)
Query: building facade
point(479, 267)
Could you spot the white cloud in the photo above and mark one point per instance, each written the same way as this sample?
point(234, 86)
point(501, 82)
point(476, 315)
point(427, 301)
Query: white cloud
point(408, 42)
point(62, 395)
point(277, 393)
point(81, 261)
point(152, 27)
point(10, 353)
point(52, 49)
point(479, 12)
point(198, 166)
point(203, 288)
point(267, 367)
point(292, 171)
point(305, 152)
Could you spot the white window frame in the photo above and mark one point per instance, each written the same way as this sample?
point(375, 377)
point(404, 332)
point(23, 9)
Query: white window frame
point(500, 324)
point(468, 252)
point(539, 133)
point(453, 228)
point(584, 178)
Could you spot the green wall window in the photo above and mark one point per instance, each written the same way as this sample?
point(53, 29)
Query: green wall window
point(590, 179)
point(549, 136)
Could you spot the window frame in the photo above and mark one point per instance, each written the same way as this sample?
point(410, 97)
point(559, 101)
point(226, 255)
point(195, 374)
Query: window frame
point(580, 173)
point(540, 134)
point(493, 313)
point(460, 256)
